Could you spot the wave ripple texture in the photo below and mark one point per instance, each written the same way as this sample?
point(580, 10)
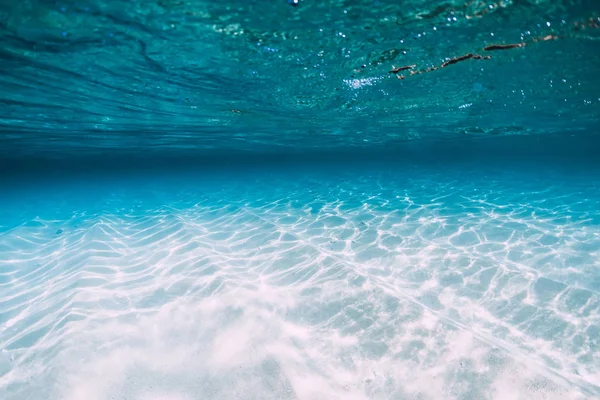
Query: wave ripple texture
point(136, 77)
point(365, 285)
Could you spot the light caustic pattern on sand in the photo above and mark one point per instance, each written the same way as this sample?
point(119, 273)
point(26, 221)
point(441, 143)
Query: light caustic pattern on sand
point(422, 286)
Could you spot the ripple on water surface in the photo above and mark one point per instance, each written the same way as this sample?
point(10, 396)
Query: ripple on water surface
point(139, 77)
point(377, 285)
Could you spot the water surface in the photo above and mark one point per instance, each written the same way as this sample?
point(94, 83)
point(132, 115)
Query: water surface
point(363, 199)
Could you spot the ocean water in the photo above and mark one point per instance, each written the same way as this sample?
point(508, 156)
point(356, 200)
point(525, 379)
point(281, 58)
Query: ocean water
point(363, 199)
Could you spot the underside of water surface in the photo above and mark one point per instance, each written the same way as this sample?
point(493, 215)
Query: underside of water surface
point(365, 199)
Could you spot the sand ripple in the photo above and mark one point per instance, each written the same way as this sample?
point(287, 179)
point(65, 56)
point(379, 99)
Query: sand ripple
point(382, 285)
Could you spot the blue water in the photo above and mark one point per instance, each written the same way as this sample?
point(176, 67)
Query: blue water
point(239, 200)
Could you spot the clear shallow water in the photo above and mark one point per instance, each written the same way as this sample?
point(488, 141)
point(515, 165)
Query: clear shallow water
point(329, 200)
point(378, 281)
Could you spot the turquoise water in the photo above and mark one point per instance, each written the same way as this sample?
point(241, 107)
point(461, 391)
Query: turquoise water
point(239, 200)
point(378, 281)
point(263, 76)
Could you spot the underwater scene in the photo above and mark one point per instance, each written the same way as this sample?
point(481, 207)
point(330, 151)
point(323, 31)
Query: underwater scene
point(299, 199)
